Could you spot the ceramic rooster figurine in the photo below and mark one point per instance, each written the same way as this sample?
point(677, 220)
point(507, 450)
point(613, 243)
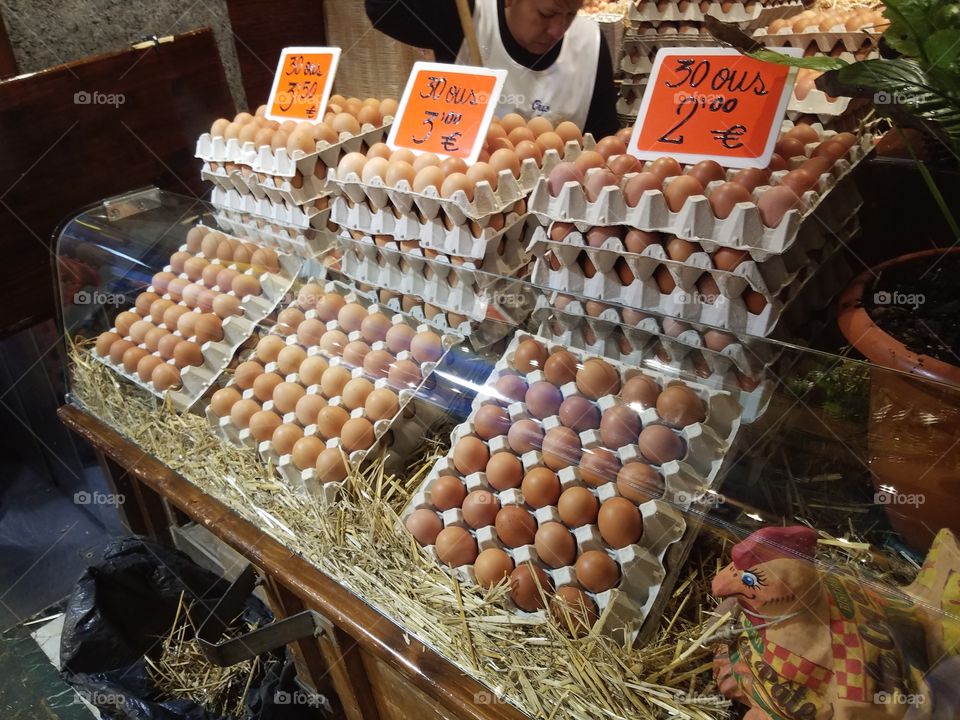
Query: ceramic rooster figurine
point(814, 642)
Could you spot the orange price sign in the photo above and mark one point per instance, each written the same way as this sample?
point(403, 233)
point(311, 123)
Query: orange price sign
point(302, 83)
point(712, 104)
point(446, 110)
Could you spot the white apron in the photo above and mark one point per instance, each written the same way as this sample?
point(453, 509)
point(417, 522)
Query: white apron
point(562, 91)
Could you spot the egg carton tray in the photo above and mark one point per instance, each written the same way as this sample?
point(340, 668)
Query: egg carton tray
point(242, 182)
point(684, 481)
point(295, 241)
point(280, 162)
point(817, 103)
point(647, 11)
point(850, 44)
point(457, 288)
point(400, 433)
point(470, 239)
point(643, 294)
point(293, 216)
point(713, 369)
point(743, 228)
point(627, 110)
point(283, 189)
point(486, 201)
point(745, 355)
point(767, 277)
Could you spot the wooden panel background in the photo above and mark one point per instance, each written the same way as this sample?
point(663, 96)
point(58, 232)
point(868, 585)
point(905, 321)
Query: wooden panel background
point(59, 155)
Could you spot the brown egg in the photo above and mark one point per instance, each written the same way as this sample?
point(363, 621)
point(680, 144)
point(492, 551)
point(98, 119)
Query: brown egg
point(620, 522)
point(144, 301)
point(504, 471)
point(479, 508)
point(561, 448)
point(752, 178)
point(776, 202)
point(286, 395)
point(555, 545)
point(491, 421)
point(225, 306)
point(456, 547)
point(525, 435)
point(509, 388)
point(284, 438)
point(187, 353)
point(527, 150)
point(659, 444)
point(597, 378)
point(330, 421)
point(429, 176)
point(804, 133)
point(356, 392)
point(491, 567)
point(789, 147)
point(124, 321)
point(354, 353)
point(377, 364)
point(610, 146)
point(470, 455)
point(579, 414)
point(311, 370)
point(515, 526)
point(520, 134)
point(426, 347)
point(623, 164)
point(263, 424)
point(530, 355)
point(457, 182)
point(264, 385)
point(599, 466)
point(168, 345)
point(569, 132)
point(707, 171)
point(725, 197)
point(639, 482)
point(597, 180)
point(640, 392)
point(242, 411)
point(309, 332)
point(165, 377)
point(679, 406)
point(356, 434)
point(138, 331)
point(589, 159)
point(246, 373)
point(398, 337)
point(636, 186)
point(560, 367)
point(399, 171)
point(680, 190)
point(717, 341)
point(268, 348)
point(290, 358)
point(800, 180)
point(329, 306)
point(333, 342)
point(574, 610)
point(382, 404)
point(146, 366)
point(665, 167)
point(562, 174)
point(597, 571)
point(528, 587)
point(619, 426)
point(727, 259)
point(505, 159)
point(543, 399)
point(540, 487)
point(131, 358)
point(172, 315)
point(331, 466)
point(424, 525)
point(577, 506)
point(755, 302)
point(308, 408)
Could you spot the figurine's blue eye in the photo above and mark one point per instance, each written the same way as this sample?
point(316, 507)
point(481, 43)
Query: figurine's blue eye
point(749, 579)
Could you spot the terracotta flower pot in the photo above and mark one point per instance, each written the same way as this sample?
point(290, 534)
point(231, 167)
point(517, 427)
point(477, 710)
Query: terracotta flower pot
point(914, 438)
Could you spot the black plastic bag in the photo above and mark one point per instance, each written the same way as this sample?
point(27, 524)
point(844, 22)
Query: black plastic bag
point(118, 610)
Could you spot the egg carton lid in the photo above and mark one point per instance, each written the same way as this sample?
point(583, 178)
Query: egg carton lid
point(743, 229)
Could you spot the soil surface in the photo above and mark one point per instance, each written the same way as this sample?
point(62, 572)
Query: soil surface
point(918, 303)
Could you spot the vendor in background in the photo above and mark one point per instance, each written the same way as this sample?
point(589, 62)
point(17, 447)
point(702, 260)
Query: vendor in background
point(558, 62)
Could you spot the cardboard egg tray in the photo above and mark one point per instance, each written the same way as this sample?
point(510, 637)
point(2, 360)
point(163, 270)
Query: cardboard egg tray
point(817, 103)
point(462, 289)
point(696, 220)
point(281, 189)
point(459, 209)
point(469, 239)
point(642, 565)
point(627, 109)
point(241, 181)
point(400, 433)
point(684, 303)
point(738, 12)
point(767, 277)
point(279, 162)
point(824, 43)
point(281, 213)
point(633, 348)
point(296, 241)
point(747, 356)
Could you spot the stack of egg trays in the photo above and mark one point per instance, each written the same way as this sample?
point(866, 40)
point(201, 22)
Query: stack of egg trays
point(823, 43)
point(643, 570)
point(458, 208)
point(236, 330)
point(736, 12)
point(405, 434)
point(315, 216)
point(296, 241)
point(457, 287)
point(684, 303)
point(743, 229)
point(687, 354)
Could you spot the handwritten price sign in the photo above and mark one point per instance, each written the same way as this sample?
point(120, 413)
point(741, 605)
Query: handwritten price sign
point(712, 103)
point(302, 83)
point(446, 110)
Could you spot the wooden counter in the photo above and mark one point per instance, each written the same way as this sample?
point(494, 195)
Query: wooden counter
point(373, 666)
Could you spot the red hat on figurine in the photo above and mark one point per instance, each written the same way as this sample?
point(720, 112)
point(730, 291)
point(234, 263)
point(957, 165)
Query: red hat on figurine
point(769, 543)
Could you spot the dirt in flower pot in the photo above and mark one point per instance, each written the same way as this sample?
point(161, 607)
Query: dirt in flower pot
point(918, 302)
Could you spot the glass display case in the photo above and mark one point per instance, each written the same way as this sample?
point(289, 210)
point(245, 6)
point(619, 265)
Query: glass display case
point(830, 478)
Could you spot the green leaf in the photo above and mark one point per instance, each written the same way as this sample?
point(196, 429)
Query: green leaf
point(900, 90)
point(943, 48)
point(810, 63)
point(909, 25)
